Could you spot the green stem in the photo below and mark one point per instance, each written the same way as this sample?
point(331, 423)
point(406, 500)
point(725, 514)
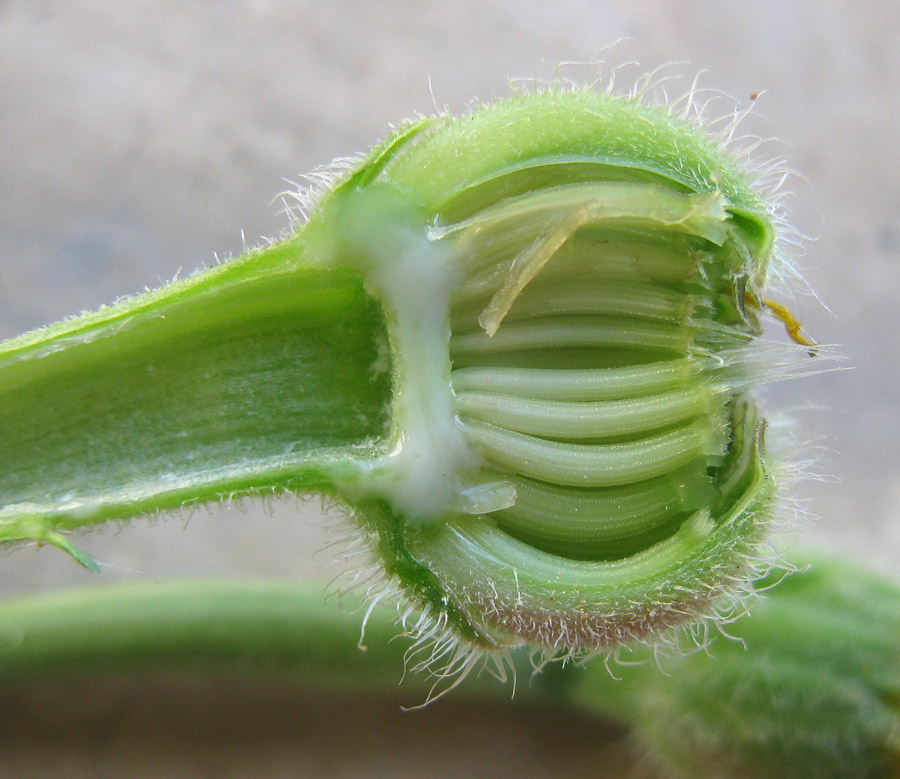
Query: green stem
point(242, 627)
point(212, 626)
point(812, 688)
point(256, 374)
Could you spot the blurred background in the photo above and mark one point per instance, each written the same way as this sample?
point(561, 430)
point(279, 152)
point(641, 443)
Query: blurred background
point(138, 140)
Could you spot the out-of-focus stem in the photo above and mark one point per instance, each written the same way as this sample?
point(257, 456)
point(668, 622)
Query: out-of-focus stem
point(809, 687)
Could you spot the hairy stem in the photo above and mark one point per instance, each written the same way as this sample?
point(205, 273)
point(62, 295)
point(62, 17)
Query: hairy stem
point(242, 380)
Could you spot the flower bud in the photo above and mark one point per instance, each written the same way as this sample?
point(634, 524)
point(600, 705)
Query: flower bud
point(572, 281)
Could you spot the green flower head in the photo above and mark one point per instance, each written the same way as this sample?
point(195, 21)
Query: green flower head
point(573, 282)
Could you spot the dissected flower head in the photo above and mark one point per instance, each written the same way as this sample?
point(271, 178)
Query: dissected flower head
point(520, 343)
point(573, 283)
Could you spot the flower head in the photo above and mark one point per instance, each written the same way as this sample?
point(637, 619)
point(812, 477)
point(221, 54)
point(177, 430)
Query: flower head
point(573, 281)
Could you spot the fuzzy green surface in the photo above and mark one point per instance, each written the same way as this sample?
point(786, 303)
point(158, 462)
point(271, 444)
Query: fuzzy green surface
point(618, 137)
point(808, 687)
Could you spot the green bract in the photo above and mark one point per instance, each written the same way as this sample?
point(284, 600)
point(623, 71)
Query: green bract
point(514, 342)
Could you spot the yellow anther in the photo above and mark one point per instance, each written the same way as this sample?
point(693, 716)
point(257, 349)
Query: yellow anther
point(793, 327)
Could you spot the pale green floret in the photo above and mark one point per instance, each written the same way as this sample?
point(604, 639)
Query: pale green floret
point(589, 465)
point(594, 384)
point(585, 419)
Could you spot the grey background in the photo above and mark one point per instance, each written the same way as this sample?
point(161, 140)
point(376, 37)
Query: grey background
point(139, 138)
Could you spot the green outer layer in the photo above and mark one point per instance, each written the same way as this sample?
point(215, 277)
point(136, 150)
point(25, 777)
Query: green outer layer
point(431, 161)
point(583, 125)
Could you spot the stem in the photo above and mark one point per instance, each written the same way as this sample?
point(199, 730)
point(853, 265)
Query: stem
point(256, 375)
point(811, 689)
point(211, 626)
point(240, 627)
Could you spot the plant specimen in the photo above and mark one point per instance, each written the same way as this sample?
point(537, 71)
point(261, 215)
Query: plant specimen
point(517, 343)
point(520, 344)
